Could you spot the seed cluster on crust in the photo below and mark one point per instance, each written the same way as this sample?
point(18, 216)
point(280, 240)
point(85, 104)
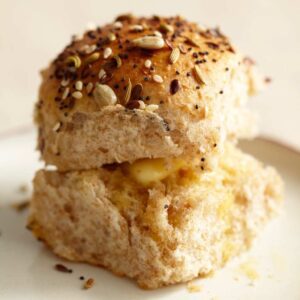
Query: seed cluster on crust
point(88, 65)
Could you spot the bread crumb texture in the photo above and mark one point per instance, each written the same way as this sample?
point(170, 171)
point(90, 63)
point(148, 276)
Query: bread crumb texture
point(167, 230)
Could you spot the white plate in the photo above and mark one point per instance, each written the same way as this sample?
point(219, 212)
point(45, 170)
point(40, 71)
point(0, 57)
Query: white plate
point(26, 266)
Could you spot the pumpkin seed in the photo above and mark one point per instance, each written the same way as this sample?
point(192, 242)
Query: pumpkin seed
point(75, 60)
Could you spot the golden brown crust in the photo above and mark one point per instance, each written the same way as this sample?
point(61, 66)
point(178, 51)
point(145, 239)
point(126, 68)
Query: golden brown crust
point(204, 87)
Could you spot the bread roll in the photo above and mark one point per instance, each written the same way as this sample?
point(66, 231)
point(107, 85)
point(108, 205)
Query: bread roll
point(171, 230)
point(143, 88)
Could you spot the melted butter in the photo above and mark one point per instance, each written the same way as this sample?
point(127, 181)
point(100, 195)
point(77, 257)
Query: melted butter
point(149, 171)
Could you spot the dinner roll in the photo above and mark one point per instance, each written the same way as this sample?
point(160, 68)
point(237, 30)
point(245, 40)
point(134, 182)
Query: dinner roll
point(143, 88)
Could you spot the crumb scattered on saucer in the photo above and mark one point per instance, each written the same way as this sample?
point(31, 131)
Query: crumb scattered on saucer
point(23, 189)
point(21, 206)
point(63, 268)
point(89, 283)
point(193, 288)
point(248, 269)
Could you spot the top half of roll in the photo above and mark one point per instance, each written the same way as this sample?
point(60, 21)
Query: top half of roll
point(143, 88)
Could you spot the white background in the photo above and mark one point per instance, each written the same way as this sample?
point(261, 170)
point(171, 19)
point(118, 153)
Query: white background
point(32, 32)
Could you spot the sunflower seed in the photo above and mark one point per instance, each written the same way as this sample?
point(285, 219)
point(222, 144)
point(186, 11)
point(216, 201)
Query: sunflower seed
point(104, 95)
point(149, 42)
point(198, 75)
point(158, 78)
point(136, 28)
point(174, 56)
point(107, 53)
point(157, 33)
point(128, 92)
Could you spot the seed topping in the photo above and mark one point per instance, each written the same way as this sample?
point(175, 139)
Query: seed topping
point(158, 78)
point(107, 53)
point(74, 60)
point(128, 92)
point(174, 86)
point(149, 42)
point(174, 56)
point(148, 63)
point(198, 75)
point(104, 95)
point(77, 95)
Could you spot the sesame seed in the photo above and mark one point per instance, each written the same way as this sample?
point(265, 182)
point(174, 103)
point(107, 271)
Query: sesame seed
point(118, 25)
point(77, 95)
point(90, 26)
point(101, 74)
point(78, 85)
point(56, 127)
point(158, 78)
point(141, 104)
point(65, 93)
point(151, 107)
point(89, 87)
point(107, 53)
point(88, 49)
point(64, 82)
point(136, 28)
point(148, 63)
point(111, 36)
